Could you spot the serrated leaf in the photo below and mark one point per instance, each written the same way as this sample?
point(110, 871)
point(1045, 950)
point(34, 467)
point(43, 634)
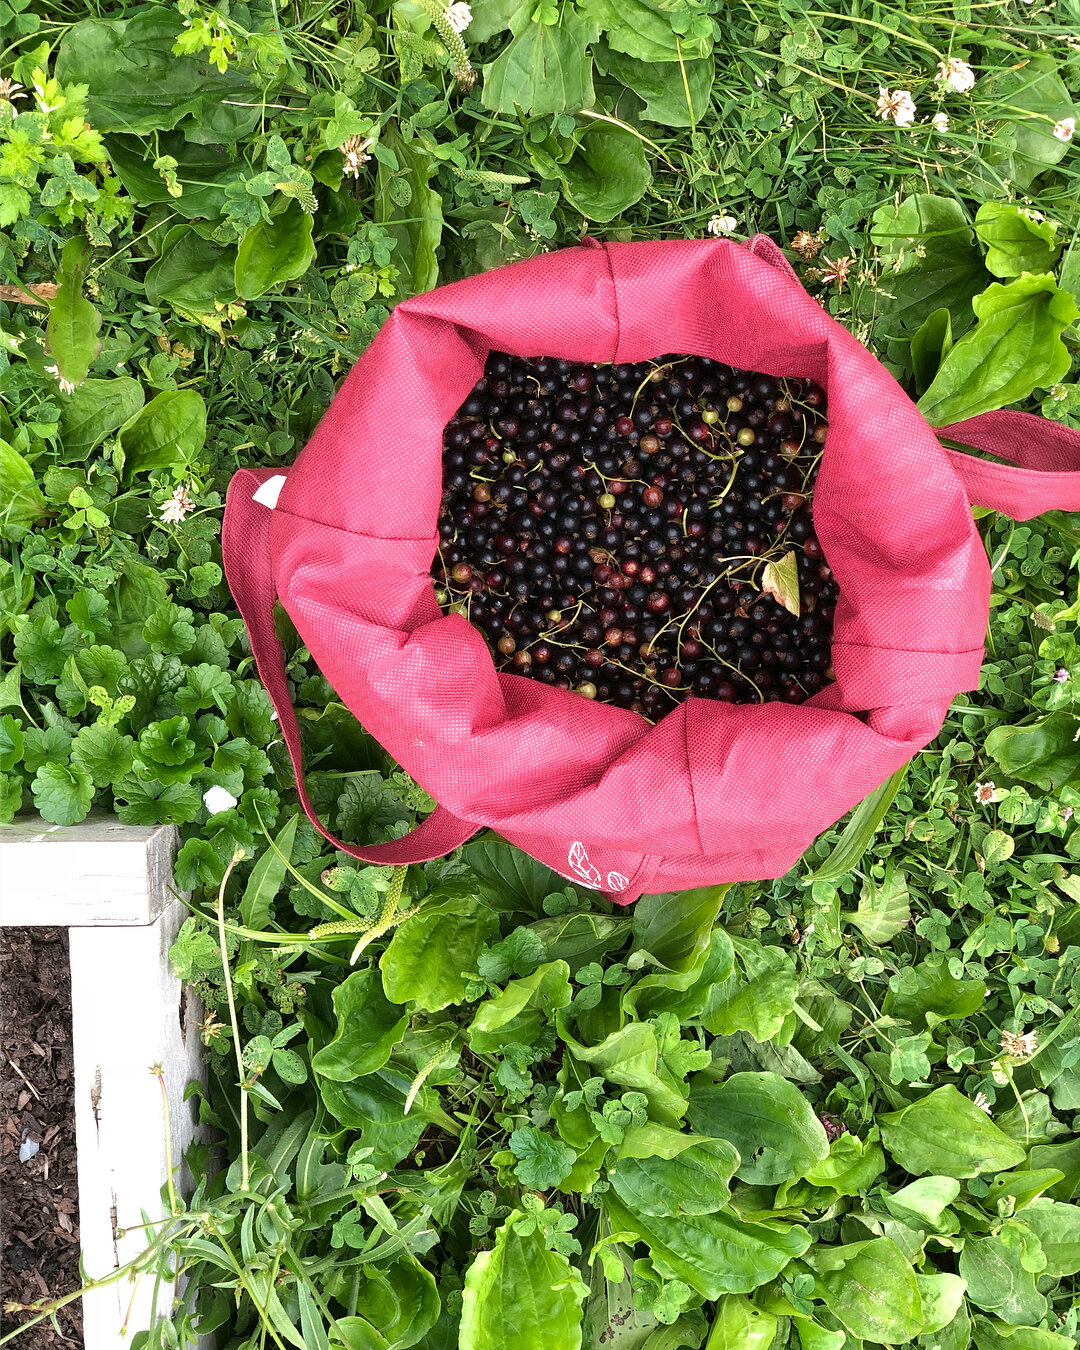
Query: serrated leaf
point(71, 335)
point(781, 581)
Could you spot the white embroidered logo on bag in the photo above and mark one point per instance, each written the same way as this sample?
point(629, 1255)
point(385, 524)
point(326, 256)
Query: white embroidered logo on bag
point(583, 870)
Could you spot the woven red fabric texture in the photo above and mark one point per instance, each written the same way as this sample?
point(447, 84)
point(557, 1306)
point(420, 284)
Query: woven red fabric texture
point(712, 792)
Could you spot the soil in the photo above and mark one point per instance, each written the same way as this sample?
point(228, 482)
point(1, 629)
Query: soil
point(39, 1228)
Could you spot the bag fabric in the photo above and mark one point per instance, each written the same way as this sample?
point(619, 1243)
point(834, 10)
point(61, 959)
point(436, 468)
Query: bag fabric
point(713, 792)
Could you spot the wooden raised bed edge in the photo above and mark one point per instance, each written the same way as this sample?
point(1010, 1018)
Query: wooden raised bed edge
point(110, 885)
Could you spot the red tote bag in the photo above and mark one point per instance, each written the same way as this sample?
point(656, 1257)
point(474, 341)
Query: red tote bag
point(713, 792)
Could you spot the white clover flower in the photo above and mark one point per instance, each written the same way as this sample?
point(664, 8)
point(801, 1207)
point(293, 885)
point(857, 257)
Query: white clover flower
point(896, 105)
point(1065, 129)
point(217, 799)
point(1019, 1044)
point(956, 74)
point(986, 793)
point(983, 1102)
point(721, 225)
point(940, 122)
point(66, 387)
point(354, 153)
point(179, 505)
point(459, 16)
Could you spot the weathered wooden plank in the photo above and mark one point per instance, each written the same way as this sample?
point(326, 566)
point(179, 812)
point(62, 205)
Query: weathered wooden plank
point(96, 872)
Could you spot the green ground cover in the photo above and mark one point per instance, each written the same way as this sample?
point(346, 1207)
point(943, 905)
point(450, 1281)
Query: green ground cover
point(834, 1109)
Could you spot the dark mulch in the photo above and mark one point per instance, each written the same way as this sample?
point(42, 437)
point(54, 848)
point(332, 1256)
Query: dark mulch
point(40, 1223)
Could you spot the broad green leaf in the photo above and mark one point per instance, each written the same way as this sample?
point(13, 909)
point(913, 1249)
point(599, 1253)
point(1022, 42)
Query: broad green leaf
point(545, 69)
point(273, 252)
point(758, 995)
point(1045, 752)
point(860, 829)
point(430, 956)
point(368, 1028)
point(769, 1121)
point(851, 1167)
point(1014, 348)
point(1032, 98)
point(23, 501)
point(356, 1333)
point(632, 1058)
point(641, 29)
point(191, 274)
point(941, 1294)
point(401, 1300)
point(997, 1278)
point(490, 17)
point(72, 332)
point(846, 1275)
point(781, 581)
point(929, 347)
point(266, 877)
point(94, 409)
point(883, 910)
point(417, 227)
point(203, 172)
point(375, 1105)
point(691, 993)
point(930, 262)
point(661, 1171)
point(1057, 1227)
point(1023, 1186)
point(991, 1335)
point(930, 989)
point(606, 173)
point(672, 926)
point(167, 434)
point(946, 1134)
point(815, 1337)
point(518, 1013)
point(715, 1254)
point(509, 878)
point(926, 1199)
point(520, 1295)
point(738, 1325)
point(1066, 1159)
point(662, 86)
point(579, 938)
point(136, 82)
point(1017, 240)
point(103, 752)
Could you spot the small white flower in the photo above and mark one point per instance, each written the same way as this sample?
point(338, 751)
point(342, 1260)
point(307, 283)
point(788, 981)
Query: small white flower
point(179, 505)
point(1029, 213)
point(459, 16)
point(1065, 129)
point(217, 799)
point(66, 387)
point(1019, 1044)
point(896, 105)
point(354, 153)
point(986, 793)
point(940, 122)
point(956, 74)
point(721, 225)
point(983, 1103)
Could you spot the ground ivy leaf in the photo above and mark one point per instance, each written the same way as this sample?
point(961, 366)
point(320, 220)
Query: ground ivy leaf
point(63, 793)
point(543, 1161)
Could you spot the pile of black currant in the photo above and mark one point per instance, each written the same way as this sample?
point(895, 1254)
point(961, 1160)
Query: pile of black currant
point(642, 532)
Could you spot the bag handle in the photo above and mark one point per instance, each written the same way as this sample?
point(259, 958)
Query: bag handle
point(245, 551)
point(1044, 469)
